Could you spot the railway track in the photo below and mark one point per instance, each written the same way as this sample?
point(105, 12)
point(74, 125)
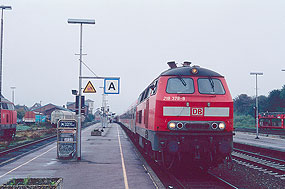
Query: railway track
point(200, 180)
point(15, 153)
point(264, 163)
point(182, 178)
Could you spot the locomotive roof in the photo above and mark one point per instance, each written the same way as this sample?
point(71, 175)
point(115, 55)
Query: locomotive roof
point(186, 71)
point(3, 99)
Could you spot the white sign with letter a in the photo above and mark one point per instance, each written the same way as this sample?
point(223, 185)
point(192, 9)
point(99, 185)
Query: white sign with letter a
point(112, 85)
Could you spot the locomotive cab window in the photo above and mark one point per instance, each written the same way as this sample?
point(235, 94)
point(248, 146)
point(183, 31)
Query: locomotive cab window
point(11, 107)
point(210, 86)
point(4, 106)
point(180, 85)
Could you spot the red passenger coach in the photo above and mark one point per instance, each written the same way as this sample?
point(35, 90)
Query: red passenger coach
point(8, 120)
point(185, 116)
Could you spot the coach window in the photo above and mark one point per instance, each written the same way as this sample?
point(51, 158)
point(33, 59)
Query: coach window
point(141, 97)
point(276, 122)
point(154, 88)
point(210, 86)
point(146, 93)
point(180, 85)
point(264, 122)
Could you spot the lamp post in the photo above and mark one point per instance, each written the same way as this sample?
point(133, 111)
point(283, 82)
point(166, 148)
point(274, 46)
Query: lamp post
point(104, 108)
point(13, 94)
point(81, 22)
point(256, 101)
point(2, 7)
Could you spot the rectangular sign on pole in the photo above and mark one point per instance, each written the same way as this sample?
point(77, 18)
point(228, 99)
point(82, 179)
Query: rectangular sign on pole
point(111, 85)
point(66, 139)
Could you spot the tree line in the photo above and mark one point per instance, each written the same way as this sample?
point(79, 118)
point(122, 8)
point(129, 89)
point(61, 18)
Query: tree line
point(274, 102)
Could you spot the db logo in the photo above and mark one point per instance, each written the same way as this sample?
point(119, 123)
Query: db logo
point(197, 111)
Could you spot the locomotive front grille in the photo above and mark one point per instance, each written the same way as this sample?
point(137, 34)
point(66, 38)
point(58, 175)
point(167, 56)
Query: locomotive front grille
point(197, 126)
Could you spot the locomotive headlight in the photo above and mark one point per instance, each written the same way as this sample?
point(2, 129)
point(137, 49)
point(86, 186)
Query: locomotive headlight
point(194, 71)
point(172, 125)
point(222, 126)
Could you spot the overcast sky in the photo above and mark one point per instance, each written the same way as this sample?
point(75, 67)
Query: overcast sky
point(134, 40)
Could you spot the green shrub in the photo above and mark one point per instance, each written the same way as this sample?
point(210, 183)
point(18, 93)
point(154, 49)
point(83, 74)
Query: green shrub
point(244, 121)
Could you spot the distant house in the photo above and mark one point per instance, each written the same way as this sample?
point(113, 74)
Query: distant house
point(35, 106)
point(48, 109)
point(23, 108)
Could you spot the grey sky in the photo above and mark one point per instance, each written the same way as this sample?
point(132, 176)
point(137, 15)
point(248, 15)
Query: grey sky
point(134, 40)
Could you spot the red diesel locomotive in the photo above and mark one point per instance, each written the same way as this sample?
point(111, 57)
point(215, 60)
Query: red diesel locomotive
point(8, 120)
point(185, 116)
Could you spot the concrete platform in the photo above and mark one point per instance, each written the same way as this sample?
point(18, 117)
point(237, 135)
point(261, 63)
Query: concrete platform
point(107, 161)
point(269, 142)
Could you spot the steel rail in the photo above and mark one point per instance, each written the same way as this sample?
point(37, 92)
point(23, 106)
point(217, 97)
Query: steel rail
point(217, 182)
point(259, 156)
point(272, 164)
point(222, 180)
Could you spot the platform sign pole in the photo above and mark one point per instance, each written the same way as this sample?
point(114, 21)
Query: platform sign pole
point(81, 22)
point(80, 94)
point(111, 86)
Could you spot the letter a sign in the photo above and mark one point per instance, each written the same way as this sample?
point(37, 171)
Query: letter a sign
point(112, 85)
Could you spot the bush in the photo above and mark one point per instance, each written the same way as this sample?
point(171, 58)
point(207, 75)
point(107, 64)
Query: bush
point(244, 121)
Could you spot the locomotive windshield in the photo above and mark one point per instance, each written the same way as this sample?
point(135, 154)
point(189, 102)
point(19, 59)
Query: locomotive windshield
point(180, 85)
point(210, 86)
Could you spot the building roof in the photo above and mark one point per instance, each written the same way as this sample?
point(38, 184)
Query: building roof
point(53, 106)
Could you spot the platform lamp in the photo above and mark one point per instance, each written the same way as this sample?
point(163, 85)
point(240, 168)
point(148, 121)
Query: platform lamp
point(81, 22)
point(2, 7)
point(13, 94)
point(256, 100)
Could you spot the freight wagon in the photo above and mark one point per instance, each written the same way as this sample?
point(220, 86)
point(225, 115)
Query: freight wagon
point(57, 115)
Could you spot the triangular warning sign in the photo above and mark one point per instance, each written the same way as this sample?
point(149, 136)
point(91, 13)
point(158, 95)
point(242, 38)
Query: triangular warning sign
point(89, 88)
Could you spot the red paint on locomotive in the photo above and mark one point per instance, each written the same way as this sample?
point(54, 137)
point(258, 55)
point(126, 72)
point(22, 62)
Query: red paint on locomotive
point(8, 120)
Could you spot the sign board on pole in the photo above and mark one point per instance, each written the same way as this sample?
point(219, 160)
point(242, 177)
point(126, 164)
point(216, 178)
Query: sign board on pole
point(66, 139)
point(89, 88)
point(111, 85)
